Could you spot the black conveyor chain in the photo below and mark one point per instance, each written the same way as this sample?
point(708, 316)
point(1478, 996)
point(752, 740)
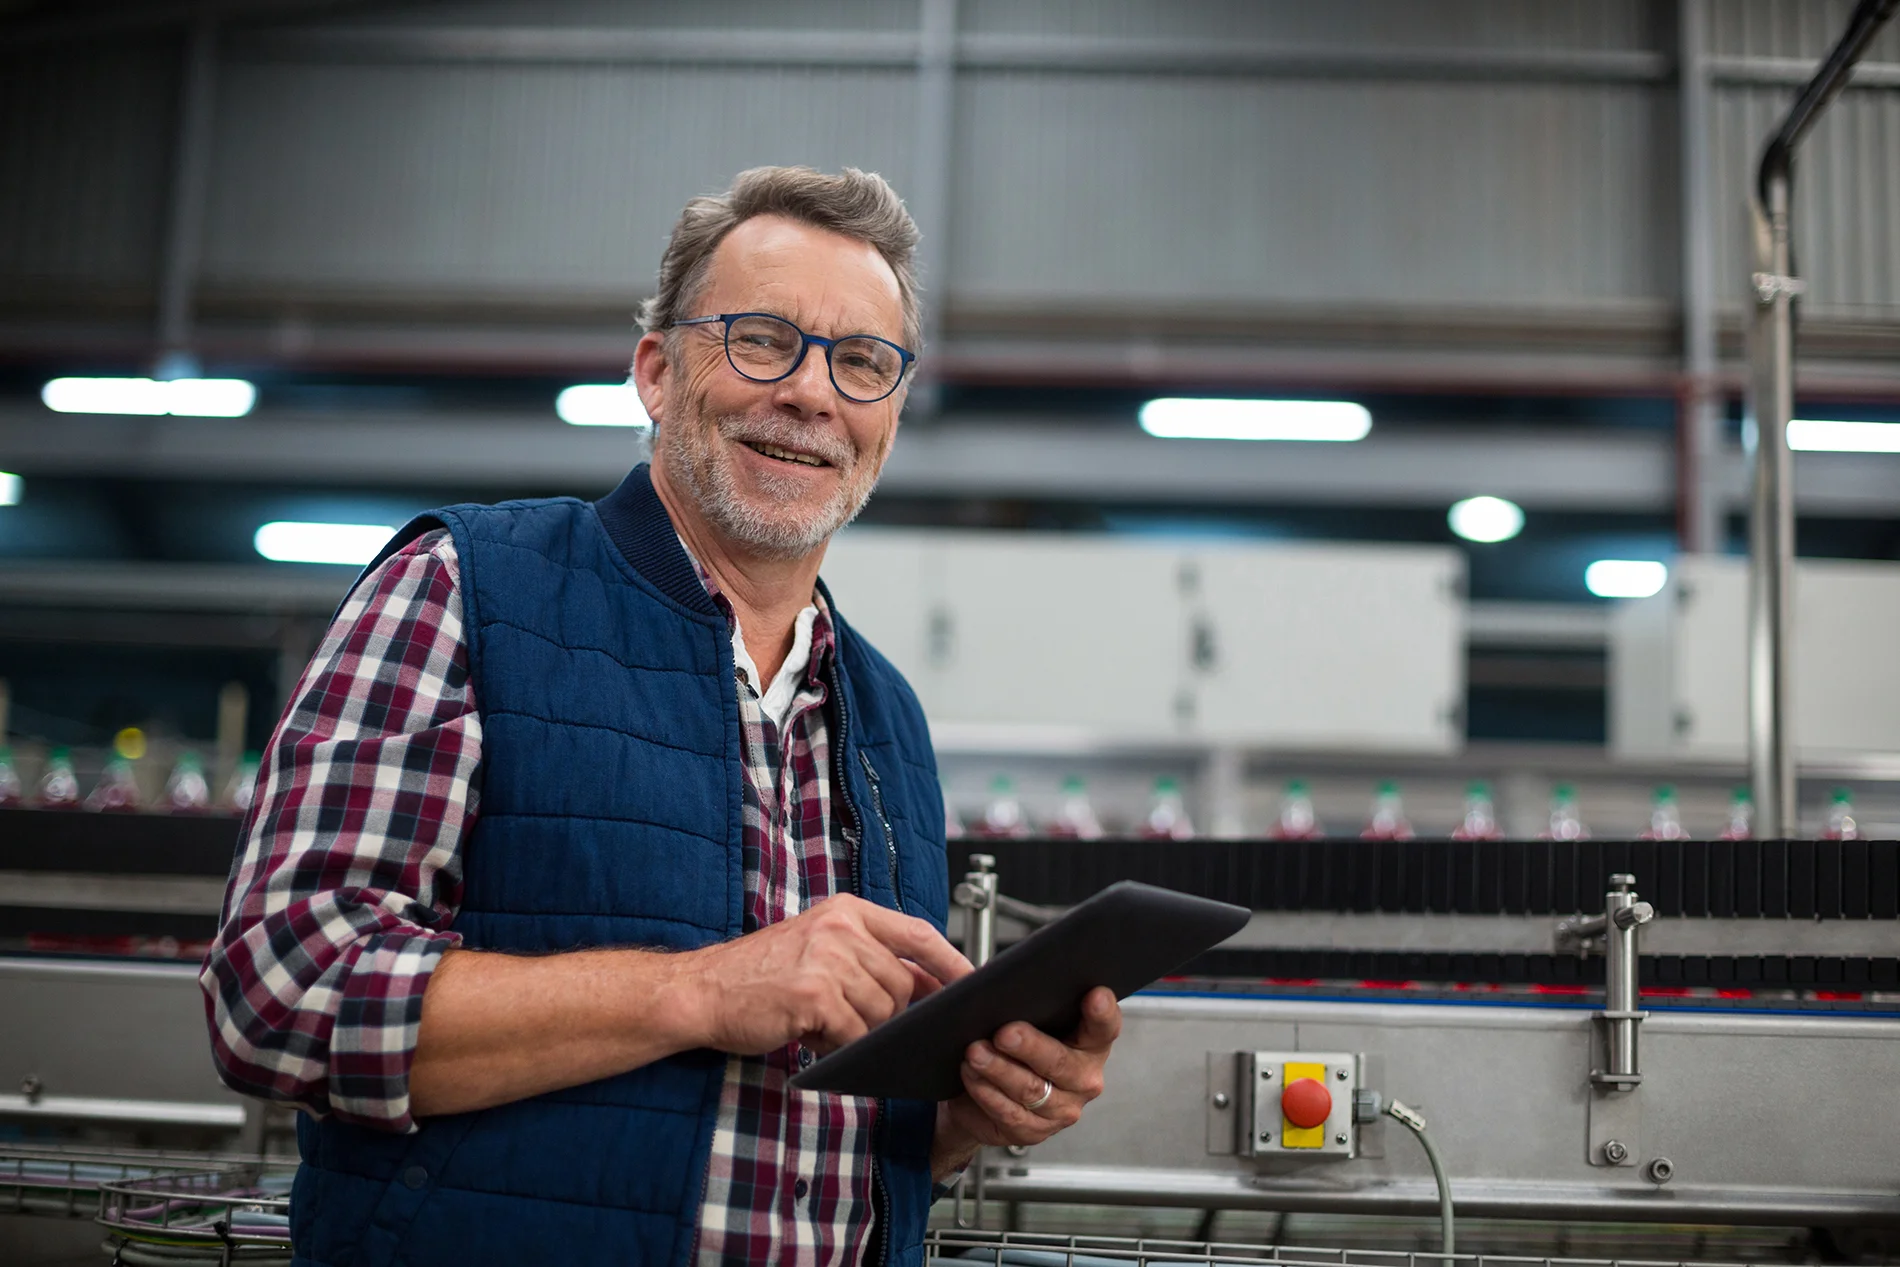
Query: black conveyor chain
point(1746, 879)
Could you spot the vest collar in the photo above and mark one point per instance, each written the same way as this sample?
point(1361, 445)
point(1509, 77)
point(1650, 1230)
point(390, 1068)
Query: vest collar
point(636, 521)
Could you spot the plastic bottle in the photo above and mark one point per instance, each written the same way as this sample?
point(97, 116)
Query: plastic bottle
point(1741, 817)
point(186, 791)
point(1167, 813)
point(243, 785)
point(1388, 816)
point(1665, 817)
point(1566, 823)
point(1298, 819)
point(12, 792)
point(1003, 816)
point(117, 791)
point(1075, 818)
point(952, 824)
point(59, 786)
point(1840, 817)
point(1481, 815)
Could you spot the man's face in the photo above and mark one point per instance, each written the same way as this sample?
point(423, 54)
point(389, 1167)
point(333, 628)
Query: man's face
point(775, 468)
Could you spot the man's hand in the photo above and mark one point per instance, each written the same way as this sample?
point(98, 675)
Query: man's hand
point(1001, 1078)
point(822, 978)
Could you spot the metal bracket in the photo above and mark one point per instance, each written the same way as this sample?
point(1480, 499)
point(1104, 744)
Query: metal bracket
point(1772, 286)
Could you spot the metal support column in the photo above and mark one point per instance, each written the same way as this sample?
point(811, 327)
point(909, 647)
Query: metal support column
point(1703, 515)
point(929, 195)
point(191, 176)
point(1771, 404)
point(1771, 768)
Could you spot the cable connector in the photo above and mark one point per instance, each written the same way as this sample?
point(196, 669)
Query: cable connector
point(1410, 1116)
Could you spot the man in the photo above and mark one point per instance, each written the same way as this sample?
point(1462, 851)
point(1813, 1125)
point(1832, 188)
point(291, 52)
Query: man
point(590, 823)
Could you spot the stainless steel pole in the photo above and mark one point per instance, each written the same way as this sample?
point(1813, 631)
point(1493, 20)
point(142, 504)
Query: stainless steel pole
point(1771, 514)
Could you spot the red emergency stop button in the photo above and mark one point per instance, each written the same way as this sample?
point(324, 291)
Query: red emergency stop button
point(1306, 1102)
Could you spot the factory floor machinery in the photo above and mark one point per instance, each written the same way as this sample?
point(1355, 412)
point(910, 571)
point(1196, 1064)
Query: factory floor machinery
point(1666, 1031)
point(1656, 1032)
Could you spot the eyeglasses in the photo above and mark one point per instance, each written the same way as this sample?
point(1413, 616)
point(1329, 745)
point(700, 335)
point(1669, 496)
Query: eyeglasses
point(765, 349)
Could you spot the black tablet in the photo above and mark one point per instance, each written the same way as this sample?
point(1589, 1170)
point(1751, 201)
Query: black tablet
point(1125, 937)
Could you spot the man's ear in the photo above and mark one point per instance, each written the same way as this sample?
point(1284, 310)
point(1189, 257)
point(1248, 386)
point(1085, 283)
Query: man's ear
point(652, 374)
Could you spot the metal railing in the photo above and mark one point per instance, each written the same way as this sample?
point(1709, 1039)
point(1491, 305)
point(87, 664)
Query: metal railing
point(1034, 1249)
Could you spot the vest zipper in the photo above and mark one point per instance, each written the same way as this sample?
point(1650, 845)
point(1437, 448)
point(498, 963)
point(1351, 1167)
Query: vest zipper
point(853, 830)
point(883, 821)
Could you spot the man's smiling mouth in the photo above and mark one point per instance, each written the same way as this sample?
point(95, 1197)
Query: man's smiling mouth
point(784, 455)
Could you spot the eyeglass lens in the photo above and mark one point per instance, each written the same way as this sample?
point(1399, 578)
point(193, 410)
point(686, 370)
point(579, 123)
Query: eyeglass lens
point(765, 348)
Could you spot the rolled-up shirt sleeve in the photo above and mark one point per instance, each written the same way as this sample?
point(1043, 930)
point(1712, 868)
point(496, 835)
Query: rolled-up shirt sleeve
point(343, 895)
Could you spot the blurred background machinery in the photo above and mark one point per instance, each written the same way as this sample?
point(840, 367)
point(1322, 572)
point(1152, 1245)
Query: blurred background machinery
point(1329, 488)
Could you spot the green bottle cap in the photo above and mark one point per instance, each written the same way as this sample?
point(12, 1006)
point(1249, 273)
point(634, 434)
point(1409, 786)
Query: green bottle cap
point(1842, 796)
point(1478, 787)
point(188, 760)
point(1742, 797)
point(1389, 787)
point(1296, 787)
point(1074, 785)
point(61, 753)
point(1664, 792)
point(1166, 784)
point(1002, 783)
point(1563, 792)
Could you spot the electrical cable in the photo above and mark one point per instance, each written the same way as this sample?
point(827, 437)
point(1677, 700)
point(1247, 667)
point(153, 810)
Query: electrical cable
point(1412, 1121)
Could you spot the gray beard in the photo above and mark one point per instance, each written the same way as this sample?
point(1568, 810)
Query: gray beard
point(709, 482)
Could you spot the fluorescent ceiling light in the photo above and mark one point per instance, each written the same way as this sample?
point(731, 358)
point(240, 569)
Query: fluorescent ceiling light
point(1486, 519)
point(289, 542)
point(601, 405)
point(1625, 578)
point(1815, 435)
point(9, 489)
point(190, 397)
point(1187, 418)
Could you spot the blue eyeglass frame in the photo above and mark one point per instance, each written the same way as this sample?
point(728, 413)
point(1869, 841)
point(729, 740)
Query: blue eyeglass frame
point(727, 318)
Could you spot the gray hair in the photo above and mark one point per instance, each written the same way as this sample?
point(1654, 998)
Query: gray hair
point(858, 205)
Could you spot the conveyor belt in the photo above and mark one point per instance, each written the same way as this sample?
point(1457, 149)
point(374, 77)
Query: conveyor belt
point(1729, 879)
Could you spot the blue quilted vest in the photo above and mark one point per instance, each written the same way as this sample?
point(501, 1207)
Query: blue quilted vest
point(610, 816)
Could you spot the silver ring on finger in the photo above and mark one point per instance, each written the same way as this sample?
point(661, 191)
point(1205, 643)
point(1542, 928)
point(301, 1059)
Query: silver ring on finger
point(1048, 1089)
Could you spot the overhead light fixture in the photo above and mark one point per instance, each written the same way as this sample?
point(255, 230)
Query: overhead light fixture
point(1486, 519)
point(9, 489)
point(1192, 418)
point(601, 405)
point(1625, 578)
point(283, 541)
point(1819, 435)
point(187, 397)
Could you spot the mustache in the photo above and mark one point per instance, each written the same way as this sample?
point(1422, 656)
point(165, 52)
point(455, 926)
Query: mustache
point(751, 429)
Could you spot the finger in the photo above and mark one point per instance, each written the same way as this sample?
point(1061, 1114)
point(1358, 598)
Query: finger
point(892, 974)
point(1049, 1058)
point(871, 995)
point(1015, 1123)
point(1101, 1022)
point(922, 984)
point(841, 1027)
point(1020, 1084)
point(914, 939)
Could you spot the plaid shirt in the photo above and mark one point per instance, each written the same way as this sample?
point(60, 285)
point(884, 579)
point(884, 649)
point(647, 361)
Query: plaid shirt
point(343, 900)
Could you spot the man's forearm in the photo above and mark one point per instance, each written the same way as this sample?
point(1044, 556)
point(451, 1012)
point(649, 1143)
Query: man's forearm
point(951, 1148)
point(497, 1028)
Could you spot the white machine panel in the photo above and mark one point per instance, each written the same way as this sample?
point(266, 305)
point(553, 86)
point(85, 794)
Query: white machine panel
point(1333, 647)
point(1315, 646)
point(1679, 662)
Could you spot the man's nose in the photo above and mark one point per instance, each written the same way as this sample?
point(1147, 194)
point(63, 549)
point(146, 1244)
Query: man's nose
point(808, 390)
